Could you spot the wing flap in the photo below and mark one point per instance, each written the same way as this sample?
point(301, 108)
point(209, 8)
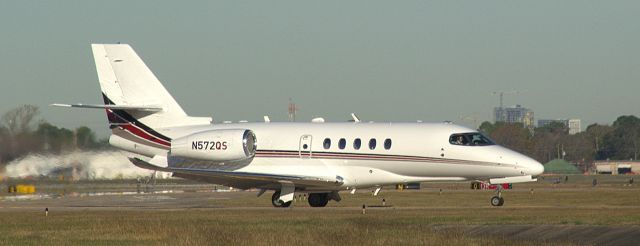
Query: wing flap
point(511, 180)
point(249, 176)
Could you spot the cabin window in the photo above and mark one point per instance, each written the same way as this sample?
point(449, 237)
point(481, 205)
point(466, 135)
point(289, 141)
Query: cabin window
point(372, 144)
point(470, 139)
point(342, 143)
point(357, 143)
point(387, 143)
point(327, 143)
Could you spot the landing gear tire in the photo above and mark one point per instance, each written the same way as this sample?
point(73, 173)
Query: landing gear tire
point(275, 200)
point(318, 199)
point(497, 201)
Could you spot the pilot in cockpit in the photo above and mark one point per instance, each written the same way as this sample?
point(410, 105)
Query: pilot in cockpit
point(460, 140)
point(470, 139)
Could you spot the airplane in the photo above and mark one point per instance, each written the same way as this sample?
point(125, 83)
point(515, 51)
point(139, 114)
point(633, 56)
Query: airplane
point(316, 158)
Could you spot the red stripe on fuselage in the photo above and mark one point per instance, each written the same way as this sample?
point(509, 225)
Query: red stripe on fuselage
point(144, 135)
point(353, 156)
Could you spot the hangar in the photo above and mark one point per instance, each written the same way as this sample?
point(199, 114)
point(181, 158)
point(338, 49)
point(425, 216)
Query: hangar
point(617, 167)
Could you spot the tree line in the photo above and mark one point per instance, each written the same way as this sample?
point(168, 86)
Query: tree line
point(618, 141)
point(22, 133)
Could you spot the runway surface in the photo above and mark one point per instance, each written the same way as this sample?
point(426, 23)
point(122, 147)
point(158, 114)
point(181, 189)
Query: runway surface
point(549, 213)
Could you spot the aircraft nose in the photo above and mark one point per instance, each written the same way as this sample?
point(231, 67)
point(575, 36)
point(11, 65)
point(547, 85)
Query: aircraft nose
point(534, 168)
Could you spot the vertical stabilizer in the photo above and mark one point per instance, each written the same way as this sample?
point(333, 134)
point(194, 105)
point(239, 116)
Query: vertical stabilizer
point(138, 107)
point(126, 80)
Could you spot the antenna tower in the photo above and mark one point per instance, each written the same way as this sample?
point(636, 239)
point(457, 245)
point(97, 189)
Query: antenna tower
point(292, 110)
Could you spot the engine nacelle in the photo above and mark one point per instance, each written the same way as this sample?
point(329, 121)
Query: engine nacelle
point(216, 145)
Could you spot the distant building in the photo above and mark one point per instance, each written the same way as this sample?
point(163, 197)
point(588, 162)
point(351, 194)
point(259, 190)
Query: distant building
point(617, 167)
point(572, 124)
point(516, 114)
point(499, 115)
point(545, 122)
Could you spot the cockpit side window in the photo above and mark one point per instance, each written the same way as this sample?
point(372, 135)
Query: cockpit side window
point(470, 139)
point(458, 139)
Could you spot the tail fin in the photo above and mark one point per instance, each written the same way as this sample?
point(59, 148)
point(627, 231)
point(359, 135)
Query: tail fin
point(128, 86)
point(126, 81)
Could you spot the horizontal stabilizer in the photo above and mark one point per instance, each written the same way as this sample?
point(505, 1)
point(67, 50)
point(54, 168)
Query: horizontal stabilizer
point(147, 108)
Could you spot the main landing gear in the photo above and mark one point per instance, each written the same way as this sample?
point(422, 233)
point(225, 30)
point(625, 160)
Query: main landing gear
point(318, 199)
point(498, 201)
point(275, 200)
point(315, 200)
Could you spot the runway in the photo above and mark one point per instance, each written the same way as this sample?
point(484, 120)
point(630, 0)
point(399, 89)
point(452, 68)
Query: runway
point(572, 213)
point(169, 199)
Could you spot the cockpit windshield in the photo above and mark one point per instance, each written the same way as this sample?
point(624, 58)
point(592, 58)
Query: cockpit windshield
point(470, 139)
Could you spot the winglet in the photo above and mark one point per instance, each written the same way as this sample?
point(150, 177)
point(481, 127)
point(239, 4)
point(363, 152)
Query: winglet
point(355, 117)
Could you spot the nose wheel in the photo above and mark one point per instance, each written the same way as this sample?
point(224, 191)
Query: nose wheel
point(497, 201)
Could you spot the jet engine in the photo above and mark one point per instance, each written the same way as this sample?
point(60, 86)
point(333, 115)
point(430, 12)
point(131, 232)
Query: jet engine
point(216, 145)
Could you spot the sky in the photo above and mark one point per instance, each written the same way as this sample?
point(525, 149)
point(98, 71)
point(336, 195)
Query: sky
point(383, 60)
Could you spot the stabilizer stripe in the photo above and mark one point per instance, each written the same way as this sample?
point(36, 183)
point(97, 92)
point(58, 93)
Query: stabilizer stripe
point(121, 118)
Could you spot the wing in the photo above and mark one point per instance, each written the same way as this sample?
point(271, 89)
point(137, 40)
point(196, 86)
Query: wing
point(239, 179)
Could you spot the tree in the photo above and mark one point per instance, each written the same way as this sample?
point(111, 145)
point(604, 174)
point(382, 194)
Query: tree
point(579, 148)
point(555, 128)
point(626, 121)
point(17, 138)
point(487, 128)
point(595, 134)
point(85, 138)
point(54, 139)
point(19, 120)
point(623, 142)
point(549, 140)
point(513, 136)
point(4, 141)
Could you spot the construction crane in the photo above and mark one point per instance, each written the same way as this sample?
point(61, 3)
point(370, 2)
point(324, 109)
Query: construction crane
point(501, 93)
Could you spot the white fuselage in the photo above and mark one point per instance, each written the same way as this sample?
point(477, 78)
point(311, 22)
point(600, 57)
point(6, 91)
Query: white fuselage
point(419, 152)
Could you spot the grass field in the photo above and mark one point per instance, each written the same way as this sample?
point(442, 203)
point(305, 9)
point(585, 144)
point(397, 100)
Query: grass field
point(423, 217)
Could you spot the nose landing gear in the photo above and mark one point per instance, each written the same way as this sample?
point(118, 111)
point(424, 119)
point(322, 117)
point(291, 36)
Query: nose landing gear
point(497, 201)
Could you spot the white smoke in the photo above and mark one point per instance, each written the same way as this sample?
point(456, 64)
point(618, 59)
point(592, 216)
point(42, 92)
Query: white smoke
point(83, 165)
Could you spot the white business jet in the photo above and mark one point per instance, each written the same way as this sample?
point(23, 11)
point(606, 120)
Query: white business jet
point(316, 158)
